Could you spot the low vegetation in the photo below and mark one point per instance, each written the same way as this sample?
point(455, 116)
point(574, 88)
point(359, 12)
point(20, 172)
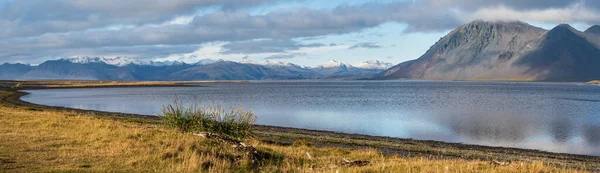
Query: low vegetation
point(46, 139)
point(596, 82)
point(235, 123)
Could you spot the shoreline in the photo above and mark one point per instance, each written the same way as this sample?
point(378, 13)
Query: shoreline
point(387, 145)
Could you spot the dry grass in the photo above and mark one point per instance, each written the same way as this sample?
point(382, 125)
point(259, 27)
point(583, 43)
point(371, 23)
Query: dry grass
point(595, 82)
point(59, 141)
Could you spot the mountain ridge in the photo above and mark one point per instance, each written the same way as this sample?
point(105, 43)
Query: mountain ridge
point(484, 50)
point(122, 68)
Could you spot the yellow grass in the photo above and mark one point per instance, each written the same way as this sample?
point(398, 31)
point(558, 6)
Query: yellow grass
point(597, 82)
point(57, 141)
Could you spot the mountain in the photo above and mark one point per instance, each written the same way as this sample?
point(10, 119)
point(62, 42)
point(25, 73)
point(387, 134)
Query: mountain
point(483, 50)
point(207, 61)
point(593, 34)
point(116, 61)
point(119, 68)
point(563, 54)
point(332, 67)
point(225, 70)
point(287, 70)
point(593, 30)
point(337, 70)
point(373, 64)
point(13, 71)
point(66, 69)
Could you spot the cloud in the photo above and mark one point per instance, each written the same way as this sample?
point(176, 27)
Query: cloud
point(516, 4)
point(36, 17)
point(285, 56)
point(49, 28)
point(365, 45)
point(265, 46)
point(575, 12)
point(222, 25)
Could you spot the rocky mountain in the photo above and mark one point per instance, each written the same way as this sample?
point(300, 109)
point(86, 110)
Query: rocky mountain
point(593, 34)
point(332, 67)
point(337, 70)
point(99, 68)
point(13, 71)
point(287, 70)
point(483, 50)
point(65, 69)
point(373, 64)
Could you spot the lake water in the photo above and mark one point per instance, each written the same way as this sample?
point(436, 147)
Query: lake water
point(546, 116)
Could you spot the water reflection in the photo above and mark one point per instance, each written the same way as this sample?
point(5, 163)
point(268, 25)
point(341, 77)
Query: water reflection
point(591, 133)
point(561, 129)
point(545, 116)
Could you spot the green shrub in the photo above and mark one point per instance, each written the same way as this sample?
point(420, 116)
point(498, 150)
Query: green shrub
point(234, 122)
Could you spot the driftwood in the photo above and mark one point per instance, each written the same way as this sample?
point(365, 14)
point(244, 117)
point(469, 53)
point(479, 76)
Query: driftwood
point(497, 163)
point(309, 157)
point(250, 151)
point(355, 163)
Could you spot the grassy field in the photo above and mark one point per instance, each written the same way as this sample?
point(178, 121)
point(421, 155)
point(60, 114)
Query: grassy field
point(37, 138)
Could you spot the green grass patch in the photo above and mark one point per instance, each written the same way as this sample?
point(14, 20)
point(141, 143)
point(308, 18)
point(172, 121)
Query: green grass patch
point(232, 122)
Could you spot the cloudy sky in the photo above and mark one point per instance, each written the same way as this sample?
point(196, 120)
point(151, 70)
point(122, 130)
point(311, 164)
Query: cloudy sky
point(306, 32)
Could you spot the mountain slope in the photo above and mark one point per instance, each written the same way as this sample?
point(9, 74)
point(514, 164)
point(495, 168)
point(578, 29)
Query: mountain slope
point(13, 71)
point(64, 69)
point(225, 70)
point(373, 64)
point(100, 68)
point(593, 34)
point(484, 50)
point(563, 54)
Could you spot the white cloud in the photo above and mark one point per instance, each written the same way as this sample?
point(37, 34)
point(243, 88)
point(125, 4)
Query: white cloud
point(575, 12)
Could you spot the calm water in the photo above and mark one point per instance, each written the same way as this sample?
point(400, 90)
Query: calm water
point(546, 116)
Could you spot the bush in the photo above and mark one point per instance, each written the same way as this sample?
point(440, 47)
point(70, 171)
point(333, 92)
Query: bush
point(235, 123)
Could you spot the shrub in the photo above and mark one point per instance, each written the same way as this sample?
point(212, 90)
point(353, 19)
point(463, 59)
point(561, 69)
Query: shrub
point(234, 122)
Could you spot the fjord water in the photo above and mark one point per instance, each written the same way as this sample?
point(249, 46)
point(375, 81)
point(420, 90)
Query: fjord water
point(557, 117)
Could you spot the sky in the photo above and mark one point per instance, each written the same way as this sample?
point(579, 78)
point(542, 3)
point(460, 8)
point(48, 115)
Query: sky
point(305, 32)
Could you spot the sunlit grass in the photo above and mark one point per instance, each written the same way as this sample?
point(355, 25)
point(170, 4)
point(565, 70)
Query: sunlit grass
point(233, 122)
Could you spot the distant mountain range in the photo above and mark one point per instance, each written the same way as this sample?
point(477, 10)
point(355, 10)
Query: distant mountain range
point(479, 50)
point(99, 68)
point(483, 50)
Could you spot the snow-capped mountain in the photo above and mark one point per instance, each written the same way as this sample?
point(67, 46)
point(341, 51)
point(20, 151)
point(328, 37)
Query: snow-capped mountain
point(333, 64)
point(373, 64)
point(120, 61)
point(162, 63)
point(268, 63)
point(123, 68)
point(335, 69)
point(116, 61)
point(208, 61)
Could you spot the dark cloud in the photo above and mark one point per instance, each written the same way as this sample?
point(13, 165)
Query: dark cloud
point(265, 46)
point(36, 17)
point(365, 45)
point(285, 56)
